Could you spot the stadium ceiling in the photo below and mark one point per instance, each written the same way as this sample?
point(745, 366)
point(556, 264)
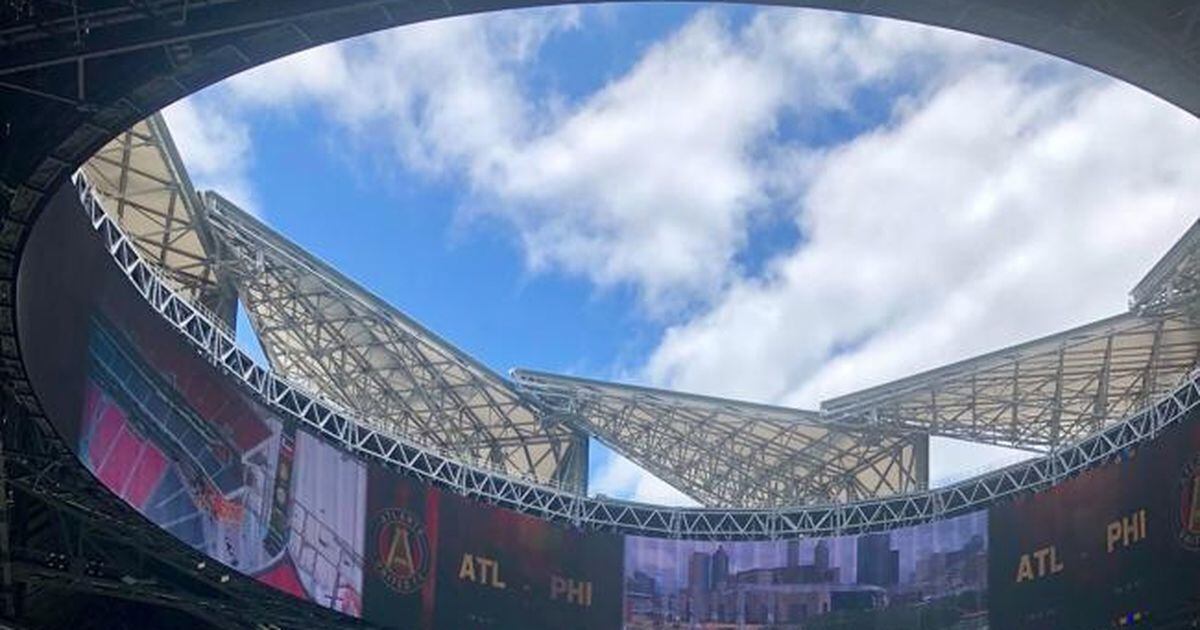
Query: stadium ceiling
point(727, 452)
point(142, 182)
point(720, 523)
point(74, 76)
point(1174, 281)
point(323, 331)
point(1041, 394)
point(318, 328)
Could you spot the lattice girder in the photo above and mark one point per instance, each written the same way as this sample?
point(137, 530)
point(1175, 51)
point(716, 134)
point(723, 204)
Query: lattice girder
point(195, 326)
point(1174, 281)
point(145, 186)
point(320, 329)
point(733, 453)
point(1040, 394)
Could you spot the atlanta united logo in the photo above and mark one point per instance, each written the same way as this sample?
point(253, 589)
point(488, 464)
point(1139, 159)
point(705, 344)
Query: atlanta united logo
point(1189, 505)
point(402, 550)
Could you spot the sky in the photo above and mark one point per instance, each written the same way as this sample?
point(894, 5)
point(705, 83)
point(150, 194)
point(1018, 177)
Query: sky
point(776, 205)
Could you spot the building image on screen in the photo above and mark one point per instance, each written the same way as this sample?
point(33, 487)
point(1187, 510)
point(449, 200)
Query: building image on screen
point(928, 576)
point(221, 473)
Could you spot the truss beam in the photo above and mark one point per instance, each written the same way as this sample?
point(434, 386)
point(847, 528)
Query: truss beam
point(1174, 281)
point(319, 328)
point(143, 182)
point(1179, 405)
point(1038, 395)
point(732, 453)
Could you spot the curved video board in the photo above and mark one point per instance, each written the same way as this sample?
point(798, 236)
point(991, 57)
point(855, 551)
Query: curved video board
point(202, 457)
point(928, 576)
point(1118, 545)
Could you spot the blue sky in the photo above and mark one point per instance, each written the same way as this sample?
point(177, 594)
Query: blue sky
point(776, 205)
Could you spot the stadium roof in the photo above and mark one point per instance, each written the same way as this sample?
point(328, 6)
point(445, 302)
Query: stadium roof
point(327, 333)
point(727, 452)
point(877, 514)
point(1174, 281)
point(146, 188)
point(1041, 393)
point(73, 76)
point(321, 329)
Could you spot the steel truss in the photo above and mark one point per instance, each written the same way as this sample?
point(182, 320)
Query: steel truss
point(1041, 394)
point(1174, 281)
point(619, 516)
point(144, 184)
point(319, 328)
point(74, 74)
point(735, 454)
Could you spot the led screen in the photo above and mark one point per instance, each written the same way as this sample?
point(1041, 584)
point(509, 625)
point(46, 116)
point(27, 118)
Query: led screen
point(220, 473)
point(452, 562)
point(201, 457)
point(179, 441)
point(928, 576)
point(1118, 545)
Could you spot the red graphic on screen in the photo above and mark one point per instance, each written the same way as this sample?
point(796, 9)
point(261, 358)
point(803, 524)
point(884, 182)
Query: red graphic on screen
point(238, 485)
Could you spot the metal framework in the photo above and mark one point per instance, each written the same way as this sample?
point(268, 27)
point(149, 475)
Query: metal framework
point(1174, 281)
point(1041, 394)
point(555, 504)
point(73, 75)
point(323, 331)
point(736, 454)
point(144, 184)
point(320, 329)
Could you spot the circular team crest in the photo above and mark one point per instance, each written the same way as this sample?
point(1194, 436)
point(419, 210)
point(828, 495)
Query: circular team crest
point(1189, 505)
point(402, 550)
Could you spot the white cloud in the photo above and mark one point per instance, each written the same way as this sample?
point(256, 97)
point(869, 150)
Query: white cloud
point(621, 478)
point(952, 460)
point(999, 208)
point(215, 146)
point(1005, 196)
point(652, 180)
point(445, 95)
